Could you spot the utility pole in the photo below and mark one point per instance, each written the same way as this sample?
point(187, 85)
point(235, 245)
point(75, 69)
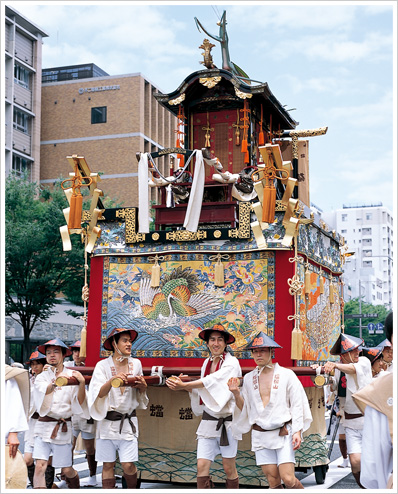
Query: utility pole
point(360, 308)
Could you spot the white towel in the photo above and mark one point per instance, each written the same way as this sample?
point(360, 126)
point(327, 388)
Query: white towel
point(194, 208)
point(143, 194)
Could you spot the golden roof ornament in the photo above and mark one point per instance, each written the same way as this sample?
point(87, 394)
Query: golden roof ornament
point(207, 56)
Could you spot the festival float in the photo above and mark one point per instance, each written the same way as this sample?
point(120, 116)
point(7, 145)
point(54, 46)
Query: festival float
point(231, 239)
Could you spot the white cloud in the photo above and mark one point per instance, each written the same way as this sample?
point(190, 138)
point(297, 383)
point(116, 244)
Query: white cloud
point(375, 115)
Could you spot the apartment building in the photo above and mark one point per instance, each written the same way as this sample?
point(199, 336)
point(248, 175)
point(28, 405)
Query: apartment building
point(369, 231)
point(106, 119)
point(23, 63)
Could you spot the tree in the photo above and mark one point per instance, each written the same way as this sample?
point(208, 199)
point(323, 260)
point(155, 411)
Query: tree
point(36, 268)
point(352, 325)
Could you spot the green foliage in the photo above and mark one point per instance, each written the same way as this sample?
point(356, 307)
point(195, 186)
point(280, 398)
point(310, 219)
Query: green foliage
point(36, 268)
point(352, 325)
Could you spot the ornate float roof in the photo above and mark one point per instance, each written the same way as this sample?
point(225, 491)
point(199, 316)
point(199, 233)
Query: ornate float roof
point(210, 89)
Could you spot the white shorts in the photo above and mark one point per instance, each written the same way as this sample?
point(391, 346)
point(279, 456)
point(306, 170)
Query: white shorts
point(28, 448)
point(354, 440)
point(106, 450)
point(209, 447)
point(61, 453)
point(276, 456)
point(85, 435)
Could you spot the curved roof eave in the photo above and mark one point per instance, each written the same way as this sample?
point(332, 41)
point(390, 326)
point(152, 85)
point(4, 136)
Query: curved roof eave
point(261, 90)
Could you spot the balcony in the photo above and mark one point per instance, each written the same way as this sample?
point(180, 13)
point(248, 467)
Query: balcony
point(22, 142)
point(7, 136)
point(22, 96)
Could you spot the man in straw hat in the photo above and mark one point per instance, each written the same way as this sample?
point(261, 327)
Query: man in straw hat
point(355, 372)
point(56, 405)
point(375, 355)
point(376, 402)
point(81, 425)
point(36, 362)
point(387, 353)
point(274, 406)
point(211, 398)
point(114, 409)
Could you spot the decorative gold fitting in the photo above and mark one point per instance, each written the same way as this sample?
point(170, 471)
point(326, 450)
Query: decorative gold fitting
point(117, 382)
point(61, 381)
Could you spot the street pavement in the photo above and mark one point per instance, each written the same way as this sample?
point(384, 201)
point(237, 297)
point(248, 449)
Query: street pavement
point(336, 478)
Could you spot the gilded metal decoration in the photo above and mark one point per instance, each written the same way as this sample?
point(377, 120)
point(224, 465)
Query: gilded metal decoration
point(216, 234)
point(209, 82)
point(155, 236)
point(207, 57)
point(242, 95)
point(237, 128)
point(129, 216)
point(178, 100)
point(244, 222)
point(208, 129)
point(295, 134)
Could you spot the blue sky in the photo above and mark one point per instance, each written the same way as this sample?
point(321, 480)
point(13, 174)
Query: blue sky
point(334, 62)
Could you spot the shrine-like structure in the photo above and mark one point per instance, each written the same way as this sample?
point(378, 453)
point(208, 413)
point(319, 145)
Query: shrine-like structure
point(231, 239)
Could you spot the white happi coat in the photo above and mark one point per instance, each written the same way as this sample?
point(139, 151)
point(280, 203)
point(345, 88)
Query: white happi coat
point(29, 434)
point(288, 402)
point(62, 403)
point(131, 399)
point(15, 419)
point(218, 401)
point(355, 382)
point(79, 422)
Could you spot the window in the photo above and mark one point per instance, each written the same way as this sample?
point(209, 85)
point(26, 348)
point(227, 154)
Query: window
point(98, 115)
point(21, 76)
point(368, 216)
point(366, 231)
point(343, 231)
point(21, 121)
point(367, 264)
point(343, 217)
point(367, 253)
point(20, 166)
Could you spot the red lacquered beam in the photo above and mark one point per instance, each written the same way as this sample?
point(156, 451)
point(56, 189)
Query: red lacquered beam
point(195, 371)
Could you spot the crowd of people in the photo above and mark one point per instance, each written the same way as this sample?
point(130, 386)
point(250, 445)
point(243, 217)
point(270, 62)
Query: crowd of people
point(269, 401)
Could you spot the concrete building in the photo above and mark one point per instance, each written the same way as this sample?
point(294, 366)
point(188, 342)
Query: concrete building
point(22, 64)
point(106, 119)
point(369, 232)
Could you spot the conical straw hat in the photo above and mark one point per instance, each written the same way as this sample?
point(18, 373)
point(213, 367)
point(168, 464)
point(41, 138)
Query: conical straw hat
point(16, 471)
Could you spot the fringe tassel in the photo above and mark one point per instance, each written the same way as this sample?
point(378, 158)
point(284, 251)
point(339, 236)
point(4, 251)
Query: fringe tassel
point(321, 285)
point(244, 146)
point(261, 138)
point(247, 158)
point(83, 340)
point(181, 160)
point(266, 203)
point(272, 204)
point(307, 282)
point(331, 292)
point(297, 345)
point(219, 274)
point(75, 214)
point(155, 278)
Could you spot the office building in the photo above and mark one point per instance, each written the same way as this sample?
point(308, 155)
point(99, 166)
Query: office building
point(106, 119)
point(368, 232)
point(23, 63)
